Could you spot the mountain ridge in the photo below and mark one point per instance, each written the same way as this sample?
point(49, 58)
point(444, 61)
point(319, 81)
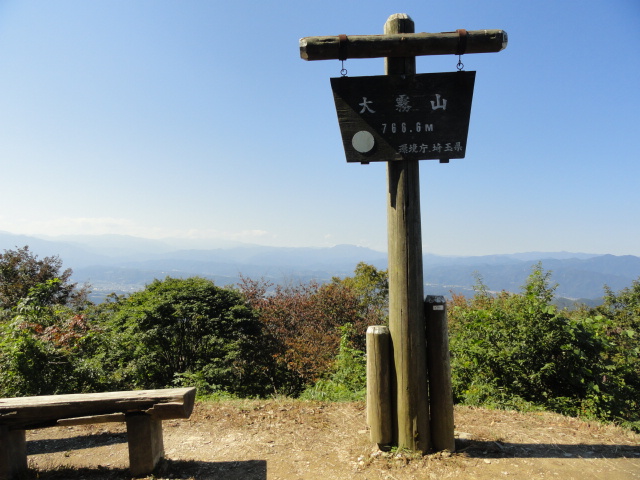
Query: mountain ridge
point(123, 264)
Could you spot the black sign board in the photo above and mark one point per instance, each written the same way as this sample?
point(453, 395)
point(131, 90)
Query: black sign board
point(396, 117)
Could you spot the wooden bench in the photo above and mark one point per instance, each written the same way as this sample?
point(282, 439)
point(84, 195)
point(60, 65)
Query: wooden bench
point(142, 410)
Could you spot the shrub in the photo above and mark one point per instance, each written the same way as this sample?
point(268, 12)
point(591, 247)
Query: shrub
point(348, 379)
point(302, 324)
point(519, 351)
point(47, 349)
point(178, 330)
point(618, 320)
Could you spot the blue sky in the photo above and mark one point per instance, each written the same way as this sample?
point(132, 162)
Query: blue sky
point(198, 120)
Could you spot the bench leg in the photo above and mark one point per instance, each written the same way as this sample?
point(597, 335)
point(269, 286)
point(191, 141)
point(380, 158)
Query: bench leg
point(13, 453)
point(144, 435)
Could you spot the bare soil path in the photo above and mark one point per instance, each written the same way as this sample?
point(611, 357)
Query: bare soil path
point(294, 440)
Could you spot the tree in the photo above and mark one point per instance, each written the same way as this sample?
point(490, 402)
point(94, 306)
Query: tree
point(20, 270)
point(519, 350)
point(620, 317)
point(303, 325)
point(624, 306)
point(318, 330)
point(187, 330)
point(514, 348)
point(47, 349)
point(371, 286)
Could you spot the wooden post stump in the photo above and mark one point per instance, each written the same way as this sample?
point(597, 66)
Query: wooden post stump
point(379, 416)
point(439, 365)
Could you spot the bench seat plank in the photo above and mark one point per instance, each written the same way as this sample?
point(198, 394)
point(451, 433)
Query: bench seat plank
point(26, 413)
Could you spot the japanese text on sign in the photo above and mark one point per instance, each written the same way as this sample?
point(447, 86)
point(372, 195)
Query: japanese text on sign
point(417, 117)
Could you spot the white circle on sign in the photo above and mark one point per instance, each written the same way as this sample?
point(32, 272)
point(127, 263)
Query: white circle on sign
point(363, 141)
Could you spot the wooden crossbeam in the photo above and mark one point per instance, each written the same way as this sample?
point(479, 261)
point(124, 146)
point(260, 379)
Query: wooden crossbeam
point(342, 47)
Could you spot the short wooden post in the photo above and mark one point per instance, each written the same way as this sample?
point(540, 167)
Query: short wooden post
point(406, 291)
point(13, 453)
point(146, 448)
point(439, 366)
point(379, 385)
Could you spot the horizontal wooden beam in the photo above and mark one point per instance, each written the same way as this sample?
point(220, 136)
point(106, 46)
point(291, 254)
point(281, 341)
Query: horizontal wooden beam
point(109, 418)
point(342, 47)
point(45, 411)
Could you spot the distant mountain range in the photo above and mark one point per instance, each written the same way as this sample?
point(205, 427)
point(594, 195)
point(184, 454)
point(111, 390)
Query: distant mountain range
point(116, 263)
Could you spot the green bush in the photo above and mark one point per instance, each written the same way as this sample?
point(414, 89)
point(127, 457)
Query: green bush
point(47, 348)
point(347, 381)
point(177, 331)
point(519, 351)
point(618, 320)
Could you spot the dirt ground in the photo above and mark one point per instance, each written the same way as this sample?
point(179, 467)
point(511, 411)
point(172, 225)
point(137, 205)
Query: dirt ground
point(293, 440)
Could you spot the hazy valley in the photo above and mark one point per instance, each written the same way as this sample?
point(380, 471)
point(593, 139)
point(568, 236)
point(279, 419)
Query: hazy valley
point(114, 263)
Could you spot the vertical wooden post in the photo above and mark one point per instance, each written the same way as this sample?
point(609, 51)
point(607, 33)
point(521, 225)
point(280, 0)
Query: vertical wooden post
point(406, 291)
point(146, 448)
point(13, 453)
point(439, 366)
point(379, 416)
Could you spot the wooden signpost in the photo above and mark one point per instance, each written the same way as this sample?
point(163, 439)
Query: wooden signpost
point(401, 118)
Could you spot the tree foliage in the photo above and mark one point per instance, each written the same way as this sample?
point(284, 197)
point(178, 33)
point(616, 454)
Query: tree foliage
point(371, 287)
point(514, 350)
point(47, 349)
point(179, 331)
point(620, 319)
point(518, 350)
point(21, 270)
point(302, 323)
point(346, 381)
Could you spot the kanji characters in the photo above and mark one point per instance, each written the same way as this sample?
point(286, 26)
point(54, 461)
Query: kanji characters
point(402, 103)
point(408, 148)
point(365, 105)
point(438, 103)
